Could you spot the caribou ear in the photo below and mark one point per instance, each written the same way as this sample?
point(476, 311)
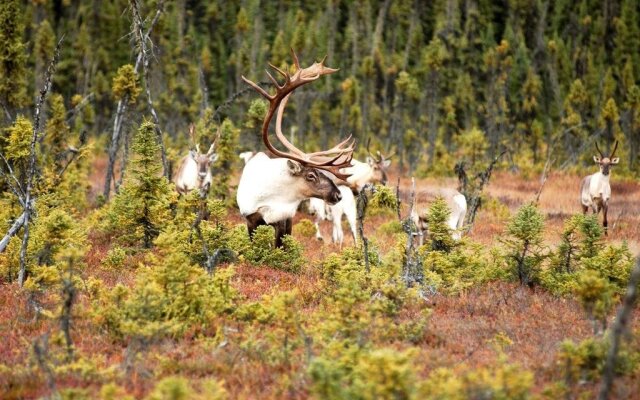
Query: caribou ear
point(615, 160)
point(371, 161)
point(596, 159)
point(193, 154)
point(295, 168)
point(213, 157)
point(386, 163)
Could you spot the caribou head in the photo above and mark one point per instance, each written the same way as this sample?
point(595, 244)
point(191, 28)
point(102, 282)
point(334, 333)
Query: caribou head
point(379, 165)
point(605, 163)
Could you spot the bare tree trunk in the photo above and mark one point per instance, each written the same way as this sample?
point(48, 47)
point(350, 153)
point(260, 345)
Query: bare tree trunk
point(622, 320)
point(142, 39)
point(17, 224)
point(121, 109)
point(28, 201)
point(432, 115)
point(377, 34)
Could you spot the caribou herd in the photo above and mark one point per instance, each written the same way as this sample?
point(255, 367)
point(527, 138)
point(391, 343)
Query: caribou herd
point(274, 183)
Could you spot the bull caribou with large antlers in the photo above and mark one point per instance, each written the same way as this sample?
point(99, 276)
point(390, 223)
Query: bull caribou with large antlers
point(271, 189)
point(194, 171)
point(595, 190)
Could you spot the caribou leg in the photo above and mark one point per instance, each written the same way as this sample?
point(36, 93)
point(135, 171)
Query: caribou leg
point(282, 228)
point(253, 222)
point(605, 209)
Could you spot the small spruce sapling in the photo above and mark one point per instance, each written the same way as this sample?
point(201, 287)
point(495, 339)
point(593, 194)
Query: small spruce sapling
point(142, 206)
point(524, 244)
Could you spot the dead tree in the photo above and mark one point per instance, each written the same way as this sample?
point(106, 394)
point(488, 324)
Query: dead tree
point(361, 206)
point(142, 39)
point(472, 191)
point(28, 201)
point(622, 321)
point(122, 106)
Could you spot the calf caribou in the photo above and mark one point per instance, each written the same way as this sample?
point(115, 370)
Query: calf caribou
point(373, 171)
point(457, 204)
point(270, 189)
point(595, 190)
point(194, 171)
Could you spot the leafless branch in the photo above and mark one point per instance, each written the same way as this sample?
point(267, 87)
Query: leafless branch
point(121, 109)
point(17, 224)
point(142, 40)
point(543, 178)
point(17, 189)
point(72, 113)
point(620, 325)
point(28, 202)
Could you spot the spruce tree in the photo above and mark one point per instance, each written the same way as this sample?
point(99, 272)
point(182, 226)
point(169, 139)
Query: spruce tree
point(13, 56)
point(141, 208)
point(524, 245)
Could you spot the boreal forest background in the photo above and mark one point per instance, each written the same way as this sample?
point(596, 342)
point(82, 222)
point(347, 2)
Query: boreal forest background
point(432, 80)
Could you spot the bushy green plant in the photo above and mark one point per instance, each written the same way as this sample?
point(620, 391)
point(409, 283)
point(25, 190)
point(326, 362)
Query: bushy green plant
point(262, 250)
point(502, 382)
point(525, 254)
point(585, 360)
point(383, 201)
point(115, 258)
point(390, 227)
point(125, 86)
point(141, 207)
point(439, 233)
point(226, 149)
point(455, 271)
point(179, 388)
point(596, 296)
point(170, 296)
point(378, 374)
point(304, 228)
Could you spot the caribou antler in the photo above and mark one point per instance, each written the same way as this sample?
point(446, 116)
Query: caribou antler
point(598, 148)
point(331, 160)
point(615, 147)
point(381, 157)
point(215, 140)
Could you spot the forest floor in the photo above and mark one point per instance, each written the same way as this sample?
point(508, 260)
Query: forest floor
point(463, 331)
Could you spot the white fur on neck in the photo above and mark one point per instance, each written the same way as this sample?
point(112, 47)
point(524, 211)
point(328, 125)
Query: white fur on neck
point(187, 176)
point(267, 187)
point(599, 186)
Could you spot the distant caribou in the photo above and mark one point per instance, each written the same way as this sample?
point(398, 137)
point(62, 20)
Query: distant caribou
point(373, 171)
point(457, 204)
point(194, 171)
point(270, 189)
point(595, 190)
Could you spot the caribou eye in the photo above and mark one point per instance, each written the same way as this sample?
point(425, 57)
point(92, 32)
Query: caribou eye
point(311, 177)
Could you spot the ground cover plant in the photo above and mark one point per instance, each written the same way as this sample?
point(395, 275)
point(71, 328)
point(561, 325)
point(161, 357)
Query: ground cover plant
point(115, 286)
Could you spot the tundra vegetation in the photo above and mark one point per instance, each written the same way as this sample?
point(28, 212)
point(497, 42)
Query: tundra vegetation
point(114, 286)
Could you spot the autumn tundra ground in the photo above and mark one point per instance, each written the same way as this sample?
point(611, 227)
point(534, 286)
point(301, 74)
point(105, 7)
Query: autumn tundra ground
point(474, 328)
